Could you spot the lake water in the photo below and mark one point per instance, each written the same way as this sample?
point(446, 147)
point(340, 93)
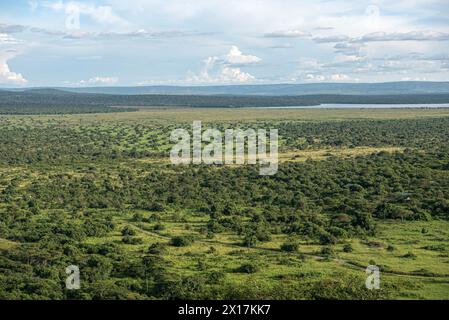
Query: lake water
point(365, 106)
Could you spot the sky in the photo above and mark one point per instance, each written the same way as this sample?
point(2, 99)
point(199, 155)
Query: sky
point(212, 42)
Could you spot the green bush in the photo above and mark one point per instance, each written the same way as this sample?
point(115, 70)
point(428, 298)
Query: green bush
point(290, 247)
point(132, 240)
point(182, 241)
point(157, 248)
point(410, 255)
point(127, 231)
point(248, 268)
point(327, 252)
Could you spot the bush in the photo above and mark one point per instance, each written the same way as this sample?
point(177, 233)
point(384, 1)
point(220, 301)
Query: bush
point(327, 252)
point(127, 231)
point(132, 240)
point(263, 235)
point(410, 255)
point(159, 227)
point(348, 248)
point(215, 277)
point(437, 247)
point(327, 238)
point(248, 268)
point(157, 248)
point(390, 248)
point(181, 241)
point(250, 241)
point(137, 217)
point(290, 247)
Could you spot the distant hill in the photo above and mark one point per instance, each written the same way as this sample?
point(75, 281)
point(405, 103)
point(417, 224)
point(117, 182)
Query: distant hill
point(388, 88)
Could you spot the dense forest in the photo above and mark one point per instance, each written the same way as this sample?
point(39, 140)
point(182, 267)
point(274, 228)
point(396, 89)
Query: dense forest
point(52, 101)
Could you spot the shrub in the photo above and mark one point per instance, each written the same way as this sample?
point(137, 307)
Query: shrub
point(181, 241)
point(157, 248)
point(248, 268)
point(215, 277)
point(348, 248)
point(263, 235)
point(201, 265)
point(212, 250)
point(159, 227)
point(327, 238)
point(390, 248)
point(137, 217)
point(132, 240)
point(250, 241)
point(327, 252)
point(127, 231)
point(437, 247)
point(290, 247)
point(410, 255)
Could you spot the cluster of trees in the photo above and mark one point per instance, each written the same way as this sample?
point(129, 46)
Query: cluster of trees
point(30, 141)
point(49, 216)
point(51, 101)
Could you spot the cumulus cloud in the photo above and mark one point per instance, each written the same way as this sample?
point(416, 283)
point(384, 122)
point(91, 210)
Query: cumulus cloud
point(226, 68)
point(99, 81)
point(6, 75)
point(339, 77)
point(236, 57)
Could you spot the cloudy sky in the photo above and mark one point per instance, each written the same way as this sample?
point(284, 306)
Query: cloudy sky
point(198, 42)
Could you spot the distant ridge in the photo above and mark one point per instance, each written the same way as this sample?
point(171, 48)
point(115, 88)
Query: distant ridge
point(387, 88)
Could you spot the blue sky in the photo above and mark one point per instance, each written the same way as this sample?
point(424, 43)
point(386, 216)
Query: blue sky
point(199, 42)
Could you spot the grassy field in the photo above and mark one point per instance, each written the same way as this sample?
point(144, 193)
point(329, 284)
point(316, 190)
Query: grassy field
point(423, 276)
point(243, 114)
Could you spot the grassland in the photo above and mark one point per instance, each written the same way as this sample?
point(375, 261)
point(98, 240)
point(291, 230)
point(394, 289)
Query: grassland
point(425, 276)
point(97, 190)
point(244, 114)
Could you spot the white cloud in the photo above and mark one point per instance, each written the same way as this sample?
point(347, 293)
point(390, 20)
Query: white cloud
point(331, 78)
point(315, 77)
point(236, 57)
point(229, 74)
point(226, 68)
point(339, 77)
point(6, 39)
point(6, 75)
point(287, 34)
point(405, 36)
point(99, 81)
